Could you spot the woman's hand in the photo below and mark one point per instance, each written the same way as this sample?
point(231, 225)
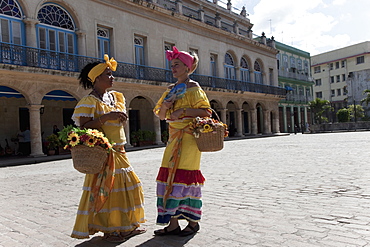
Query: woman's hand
point(177, 114)
point(117, 115)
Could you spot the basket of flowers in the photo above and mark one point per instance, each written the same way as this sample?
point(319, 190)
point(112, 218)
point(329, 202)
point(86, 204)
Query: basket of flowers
point(209, 133)
point(89, 148)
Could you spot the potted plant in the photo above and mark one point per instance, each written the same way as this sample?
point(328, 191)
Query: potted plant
point(165, 136)
point(53, 143)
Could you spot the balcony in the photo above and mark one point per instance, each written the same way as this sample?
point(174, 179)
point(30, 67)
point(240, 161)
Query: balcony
point(297, 99)
point(34, 57)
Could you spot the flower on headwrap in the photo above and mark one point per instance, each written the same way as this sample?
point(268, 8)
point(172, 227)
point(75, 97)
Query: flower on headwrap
point(184, 57)
point(99, 69)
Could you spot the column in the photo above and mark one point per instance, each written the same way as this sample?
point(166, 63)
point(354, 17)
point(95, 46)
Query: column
point(275, 121)
point(31, 31)
point(157, 130)
point(292, 118)
point(201, 13)
point(299, 116)
point(223, 115)
point(305, 117)
point(285, 122)
point(254, 127)
point(81, 42)
point(239, 126)
point(266, 122)
point(35, 131)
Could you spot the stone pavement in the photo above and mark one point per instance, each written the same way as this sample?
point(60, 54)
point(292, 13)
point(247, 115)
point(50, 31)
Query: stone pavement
point(297, 190)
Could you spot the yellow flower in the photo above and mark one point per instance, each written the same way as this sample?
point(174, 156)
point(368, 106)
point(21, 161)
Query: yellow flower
point(74, 139)
point(90, 142)
point(95, 132)
point(207, 128)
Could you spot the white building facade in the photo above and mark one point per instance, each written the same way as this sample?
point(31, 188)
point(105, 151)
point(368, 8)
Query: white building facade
point(44, 45)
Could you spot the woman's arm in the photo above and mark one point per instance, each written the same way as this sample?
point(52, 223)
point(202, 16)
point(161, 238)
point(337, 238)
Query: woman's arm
point(88, 122)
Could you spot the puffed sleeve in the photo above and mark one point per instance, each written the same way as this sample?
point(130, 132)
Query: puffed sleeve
point(199, 99)
point(85, 108)
point(121, 102)
point(160, 101)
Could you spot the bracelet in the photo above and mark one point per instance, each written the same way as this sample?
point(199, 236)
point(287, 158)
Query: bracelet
point(100, 121)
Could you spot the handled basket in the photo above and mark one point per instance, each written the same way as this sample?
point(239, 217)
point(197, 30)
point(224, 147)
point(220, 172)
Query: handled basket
point(212, 141)
point(88, 160)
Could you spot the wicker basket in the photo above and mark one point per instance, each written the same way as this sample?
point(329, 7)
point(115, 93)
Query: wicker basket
point(88, 160)
point(211, 141)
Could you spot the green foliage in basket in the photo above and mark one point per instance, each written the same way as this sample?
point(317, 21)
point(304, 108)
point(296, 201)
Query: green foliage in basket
point(73, 136)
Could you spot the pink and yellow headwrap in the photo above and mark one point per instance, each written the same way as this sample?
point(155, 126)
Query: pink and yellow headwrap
point(99, 69)
point(184, 57)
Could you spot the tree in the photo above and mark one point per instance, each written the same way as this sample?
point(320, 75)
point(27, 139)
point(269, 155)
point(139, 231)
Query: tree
point(359, 112)
point(366, 100)
point(318, 107)
point(343, 115)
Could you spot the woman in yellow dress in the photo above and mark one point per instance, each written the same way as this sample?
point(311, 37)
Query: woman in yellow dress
point(179, 179)
point(112, 201)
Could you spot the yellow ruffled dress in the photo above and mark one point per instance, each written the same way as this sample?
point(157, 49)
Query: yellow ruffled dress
point(123, 211)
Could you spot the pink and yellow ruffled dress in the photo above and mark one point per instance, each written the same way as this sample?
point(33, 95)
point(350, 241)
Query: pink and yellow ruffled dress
point(179, 180)
point(122, 209)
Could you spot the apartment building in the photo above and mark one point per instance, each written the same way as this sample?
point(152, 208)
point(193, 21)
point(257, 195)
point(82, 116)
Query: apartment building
point(44, 45)
point(294, 74)
point(341, 75)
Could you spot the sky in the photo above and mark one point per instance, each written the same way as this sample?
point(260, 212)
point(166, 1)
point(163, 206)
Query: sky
point(314, 26)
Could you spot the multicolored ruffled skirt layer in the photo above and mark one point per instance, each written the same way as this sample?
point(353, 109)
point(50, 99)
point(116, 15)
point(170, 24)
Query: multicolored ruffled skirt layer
point(184, 201)
point(122, 212)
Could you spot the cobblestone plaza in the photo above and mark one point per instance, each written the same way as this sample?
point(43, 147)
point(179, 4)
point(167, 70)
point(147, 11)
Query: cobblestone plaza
point(296, 190)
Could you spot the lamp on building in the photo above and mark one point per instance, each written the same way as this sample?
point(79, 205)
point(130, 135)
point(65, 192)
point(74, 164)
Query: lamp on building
point(42, 109)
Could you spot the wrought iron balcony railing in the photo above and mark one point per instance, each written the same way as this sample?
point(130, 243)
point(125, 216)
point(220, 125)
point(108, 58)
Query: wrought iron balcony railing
point(34, 57)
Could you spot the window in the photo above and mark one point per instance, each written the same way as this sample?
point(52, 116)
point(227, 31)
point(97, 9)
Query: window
point(278, 61)
point(318, 82)
point(339, 92)
point(292, 62)
point(319, 95)
point(11, 31)
point(139, 50)
point(336, 65)
point(213, 65)
point(257, 73)
point(229, 67)
point(285, 61)
point(360, 59)
point(332, 93)
point(56, 31)
point(306, 67)
point(56, 36)
point(244, 70)
point(343, 77)
point(338, 78)
point(139, 57)
point(343, 63)
point(317, 69)
point(103, 41)
point(299, 64)
point(331, 66)
point(331, 79)
point(168, 46)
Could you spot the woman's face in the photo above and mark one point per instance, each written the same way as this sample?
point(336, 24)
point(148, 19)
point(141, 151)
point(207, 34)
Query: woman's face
point(105, 80)
point(178, 68)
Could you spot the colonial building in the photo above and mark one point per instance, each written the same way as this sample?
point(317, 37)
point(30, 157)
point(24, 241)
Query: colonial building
point(295, 76)
point(44, 45)
point(341, 75)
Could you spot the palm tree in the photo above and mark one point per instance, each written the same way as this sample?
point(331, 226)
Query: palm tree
point(318, 107)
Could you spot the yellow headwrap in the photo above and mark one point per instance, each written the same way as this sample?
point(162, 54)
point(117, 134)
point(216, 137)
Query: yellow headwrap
point(99, 69)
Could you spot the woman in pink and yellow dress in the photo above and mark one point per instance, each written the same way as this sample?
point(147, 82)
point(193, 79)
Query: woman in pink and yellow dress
point(112, 201)
point(179, 180)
